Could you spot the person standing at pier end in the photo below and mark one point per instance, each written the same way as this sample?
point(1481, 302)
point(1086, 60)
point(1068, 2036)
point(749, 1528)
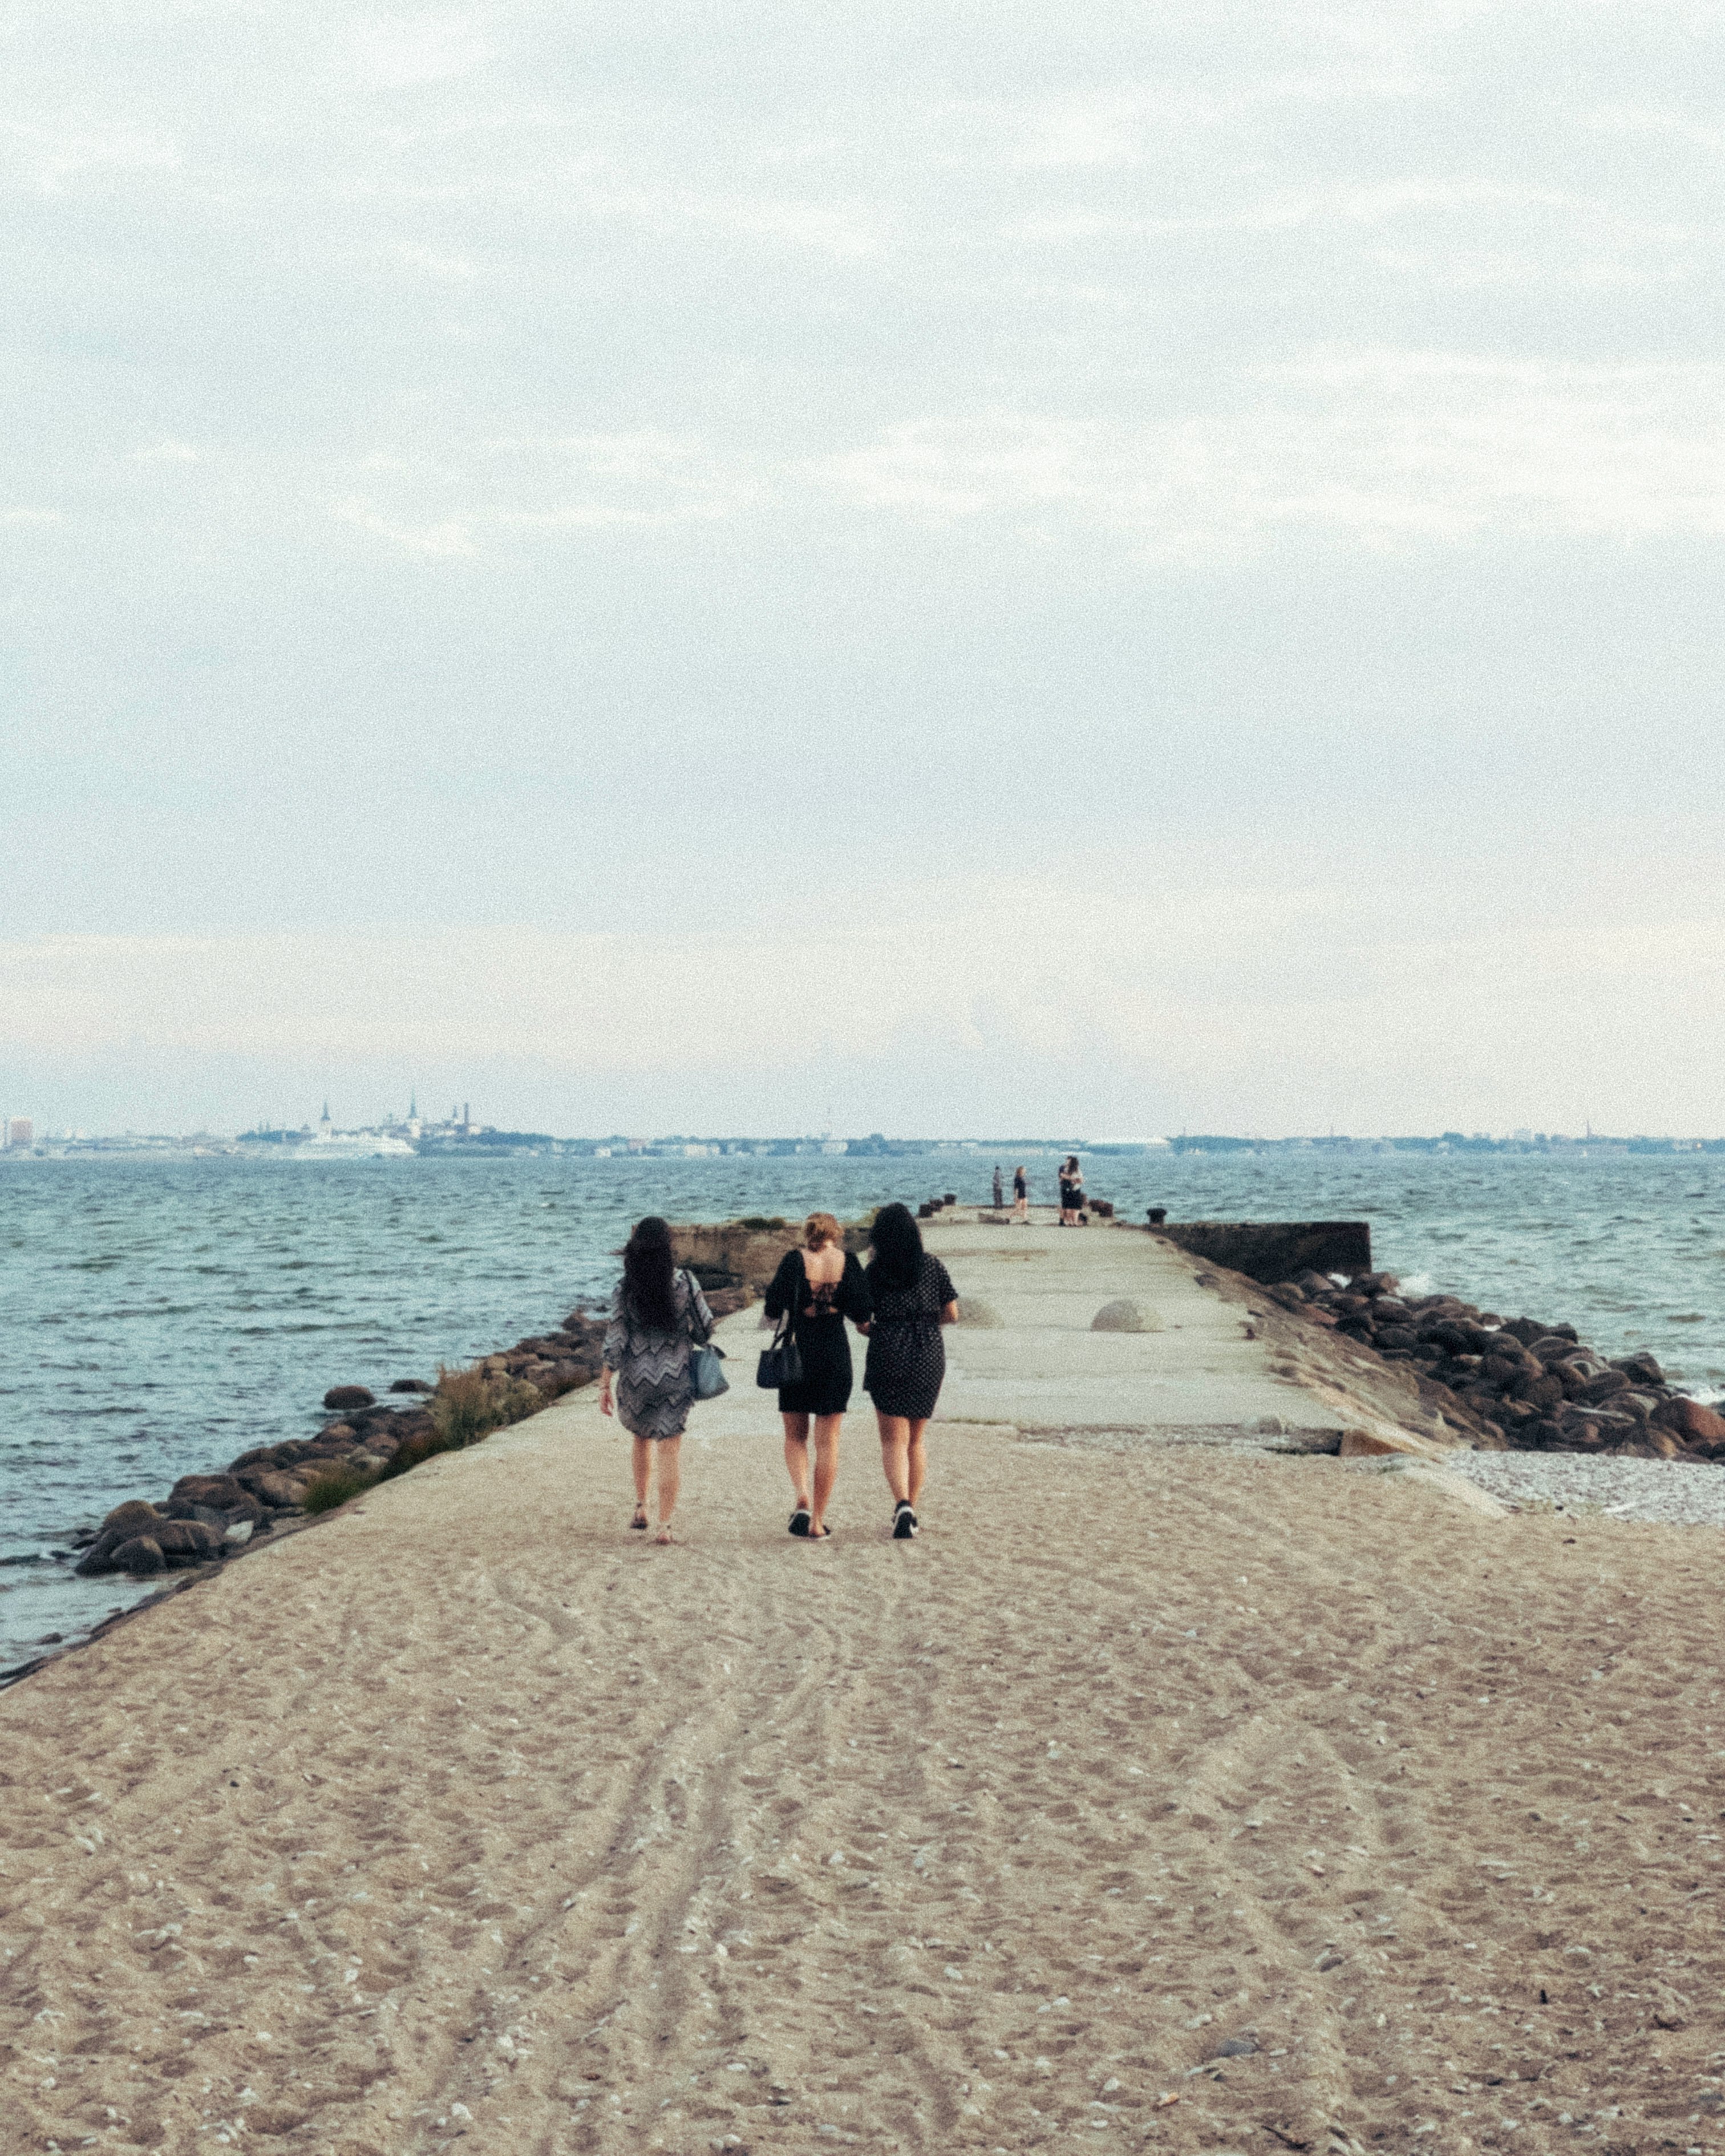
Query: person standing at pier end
point(913, 1297)
point(999, 1193)
point(817, 1287)
point(656, 1312)
point(1021, 1195)
point(1072, 1191)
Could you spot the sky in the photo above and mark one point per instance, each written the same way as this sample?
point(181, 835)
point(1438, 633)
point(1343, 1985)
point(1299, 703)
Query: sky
point(943, 569)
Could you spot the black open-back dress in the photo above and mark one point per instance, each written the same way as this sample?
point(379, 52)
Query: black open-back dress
point(817, 1326)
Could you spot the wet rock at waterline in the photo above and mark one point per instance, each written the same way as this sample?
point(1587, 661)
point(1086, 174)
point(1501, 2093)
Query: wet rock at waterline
point(141, 1557)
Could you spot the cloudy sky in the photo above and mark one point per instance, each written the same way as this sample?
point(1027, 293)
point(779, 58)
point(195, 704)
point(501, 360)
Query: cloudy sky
point(937, 568)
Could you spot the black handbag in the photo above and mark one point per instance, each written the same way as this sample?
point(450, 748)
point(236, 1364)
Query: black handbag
point(781, 1363)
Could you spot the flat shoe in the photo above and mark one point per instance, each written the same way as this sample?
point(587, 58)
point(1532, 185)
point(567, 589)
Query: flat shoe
point(800, 1519)
point(639, 1521)
point(904, 1524)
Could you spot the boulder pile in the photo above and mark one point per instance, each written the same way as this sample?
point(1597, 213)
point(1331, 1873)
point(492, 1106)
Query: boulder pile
point(1541, 1384)
point(206, 1517)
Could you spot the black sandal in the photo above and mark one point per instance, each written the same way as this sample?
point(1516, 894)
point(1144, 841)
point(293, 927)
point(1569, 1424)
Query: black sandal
point(800, 1519)
point(904, 1521)
point(639, 1520)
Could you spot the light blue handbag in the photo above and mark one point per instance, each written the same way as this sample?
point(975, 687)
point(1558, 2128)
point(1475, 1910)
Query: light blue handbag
point(706, 1372)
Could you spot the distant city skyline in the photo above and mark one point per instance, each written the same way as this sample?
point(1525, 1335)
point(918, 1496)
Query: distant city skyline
point(461, 1132)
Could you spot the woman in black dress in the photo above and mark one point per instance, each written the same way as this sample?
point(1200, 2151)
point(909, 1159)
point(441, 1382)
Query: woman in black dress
point(819, 1286)
point(1071, 1192)
point(913, 1297)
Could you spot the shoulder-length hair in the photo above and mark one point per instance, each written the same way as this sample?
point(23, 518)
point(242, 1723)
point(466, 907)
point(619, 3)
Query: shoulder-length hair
point(647, 1274)
point(896, 1243)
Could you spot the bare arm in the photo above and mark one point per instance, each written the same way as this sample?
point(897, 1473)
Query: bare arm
point(616, 1335)
point(949, 1314)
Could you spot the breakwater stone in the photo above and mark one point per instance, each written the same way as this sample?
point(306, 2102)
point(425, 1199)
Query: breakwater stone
point(134, 1514)
point(209, 1517)
point(1125, 1316)
point(1521, 1382)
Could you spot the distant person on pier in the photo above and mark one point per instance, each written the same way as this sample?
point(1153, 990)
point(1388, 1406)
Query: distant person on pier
point(1071, 1192)
point(999, 1193)
point(913, 1297)
point(656, 1311)
point(1021, 1195)
point(818, 1287)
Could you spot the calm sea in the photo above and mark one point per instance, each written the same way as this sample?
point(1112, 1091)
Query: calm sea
point(157, 1317)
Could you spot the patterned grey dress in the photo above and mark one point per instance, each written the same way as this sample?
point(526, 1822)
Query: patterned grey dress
point(654, 1389)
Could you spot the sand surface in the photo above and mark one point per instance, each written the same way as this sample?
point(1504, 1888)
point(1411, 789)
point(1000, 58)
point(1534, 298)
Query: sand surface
point(468, 1815)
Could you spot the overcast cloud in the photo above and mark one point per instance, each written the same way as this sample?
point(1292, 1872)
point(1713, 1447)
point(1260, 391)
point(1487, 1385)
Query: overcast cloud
point(936, 568)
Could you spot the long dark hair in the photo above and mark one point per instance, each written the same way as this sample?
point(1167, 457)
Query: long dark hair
point(896, 1242)
point(647, 1274)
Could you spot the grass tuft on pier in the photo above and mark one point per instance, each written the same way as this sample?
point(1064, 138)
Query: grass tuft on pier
point(334, 1485)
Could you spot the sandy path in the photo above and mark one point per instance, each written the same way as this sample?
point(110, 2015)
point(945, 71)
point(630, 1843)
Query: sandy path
point(467, 1815)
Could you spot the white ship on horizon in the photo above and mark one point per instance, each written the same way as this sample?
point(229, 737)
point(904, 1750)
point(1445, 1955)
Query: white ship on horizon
point(328, 1143)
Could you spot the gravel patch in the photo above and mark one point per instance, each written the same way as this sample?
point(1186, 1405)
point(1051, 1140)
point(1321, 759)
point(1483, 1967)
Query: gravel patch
point(1679, 1493)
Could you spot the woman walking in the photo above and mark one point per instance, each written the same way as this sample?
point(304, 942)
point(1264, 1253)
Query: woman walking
point(656, 1311)
point(1071, 1192)
point(817, 1288)
point(1021, 1195)
point(913, 1297)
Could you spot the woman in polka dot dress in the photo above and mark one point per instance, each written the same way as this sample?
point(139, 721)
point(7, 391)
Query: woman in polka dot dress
point(913, 1297)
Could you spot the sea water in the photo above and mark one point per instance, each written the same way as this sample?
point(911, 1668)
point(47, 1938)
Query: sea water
point(157, 1317)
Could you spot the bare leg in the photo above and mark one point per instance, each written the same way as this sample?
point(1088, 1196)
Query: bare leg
point(796, 1455)
point(915, 1462)
point(643, 1464)
point(895, 1445)
point(826, 1467)
point(669, 1451)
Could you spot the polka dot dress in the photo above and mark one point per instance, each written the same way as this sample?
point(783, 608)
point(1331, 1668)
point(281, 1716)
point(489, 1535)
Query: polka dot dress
point(907, 1357)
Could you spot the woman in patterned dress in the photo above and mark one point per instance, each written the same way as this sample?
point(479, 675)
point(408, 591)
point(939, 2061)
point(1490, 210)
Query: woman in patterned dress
point(656, 1311)
point(913, 1297)
point(818, 1287)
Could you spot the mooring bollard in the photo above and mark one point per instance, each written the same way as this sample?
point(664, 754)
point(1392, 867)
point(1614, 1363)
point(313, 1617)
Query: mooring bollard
point(1157, 1215)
